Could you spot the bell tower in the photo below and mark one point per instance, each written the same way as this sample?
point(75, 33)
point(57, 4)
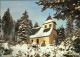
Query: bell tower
point(49, 23)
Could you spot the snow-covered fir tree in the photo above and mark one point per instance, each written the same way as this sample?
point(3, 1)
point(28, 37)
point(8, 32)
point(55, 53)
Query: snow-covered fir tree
point(69, 28)
point(61, 35)
point(24, 28)
point(77, 31)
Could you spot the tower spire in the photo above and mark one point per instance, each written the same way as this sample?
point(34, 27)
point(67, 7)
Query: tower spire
point(25, 13)
point(49, 17)
point(8, 10)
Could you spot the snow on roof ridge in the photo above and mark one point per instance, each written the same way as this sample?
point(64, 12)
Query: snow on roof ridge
point(41, 33)
point(36, 27)
point(48, 21)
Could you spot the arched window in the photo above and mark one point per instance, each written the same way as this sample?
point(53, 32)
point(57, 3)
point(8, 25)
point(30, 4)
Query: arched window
point(37, 41)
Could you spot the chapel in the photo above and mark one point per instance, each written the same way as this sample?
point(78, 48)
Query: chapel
point(45, 34)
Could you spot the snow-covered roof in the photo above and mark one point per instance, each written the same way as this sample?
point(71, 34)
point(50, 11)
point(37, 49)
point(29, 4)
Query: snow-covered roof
point(41, 33)
point(48, 21)
point(35, 30)
point(36, 27)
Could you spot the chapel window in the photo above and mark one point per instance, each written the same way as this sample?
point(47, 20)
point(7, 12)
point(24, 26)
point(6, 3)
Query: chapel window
point(37, 41)
point(32, 40)
point(50, 25)
point(45, 26)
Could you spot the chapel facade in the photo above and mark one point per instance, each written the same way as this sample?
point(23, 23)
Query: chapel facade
point(45, 34)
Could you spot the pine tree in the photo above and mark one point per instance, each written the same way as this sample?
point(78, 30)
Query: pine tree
point(78, 23)
point(25, 27)
point(61, 35)
point(13, 31)
point(69, 28)
point(76, 45)
point(7, 23)
point(77, 31)
point(0, 23)
point(36, 25)
point(63, 8)
point(16, 29)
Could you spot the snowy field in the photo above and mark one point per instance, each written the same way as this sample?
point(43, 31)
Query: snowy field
point(34, 50)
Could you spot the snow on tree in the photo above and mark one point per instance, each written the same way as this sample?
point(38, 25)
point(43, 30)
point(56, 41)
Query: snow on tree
point(76, 45)
point(24, 28)
point(77, 31)
point(7, 25)
point(34, 50)
point(69, 28)
point(61, 35)
point(62, 7)
point(65, 9)
point(5, 49)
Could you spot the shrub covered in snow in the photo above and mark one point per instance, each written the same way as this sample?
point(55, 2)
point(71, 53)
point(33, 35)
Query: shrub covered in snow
point(34, 50)
point(5, 49)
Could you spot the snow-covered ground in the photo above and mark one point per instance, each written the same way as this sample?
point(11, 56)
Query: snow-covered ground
point(33, 50)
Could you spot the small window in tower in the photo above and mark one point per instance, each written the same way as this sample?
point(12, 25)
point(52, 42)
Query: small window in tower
point(37, 41)
point(45, 26)
point(50, 25)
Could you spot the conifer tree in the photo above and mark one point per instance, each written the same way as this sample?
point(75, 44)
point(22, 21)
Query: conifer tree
point(7, 23)
point(69, 28)
point(78, 23)
point(76, 44)
point(0, 27)
point(61, 35)
point(36, 25)
point(64, 8)
point(0, 22)
point(24, 28)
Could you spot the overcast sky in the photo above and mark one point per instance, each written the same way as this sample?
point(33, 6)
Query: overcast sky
point(17, 8)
